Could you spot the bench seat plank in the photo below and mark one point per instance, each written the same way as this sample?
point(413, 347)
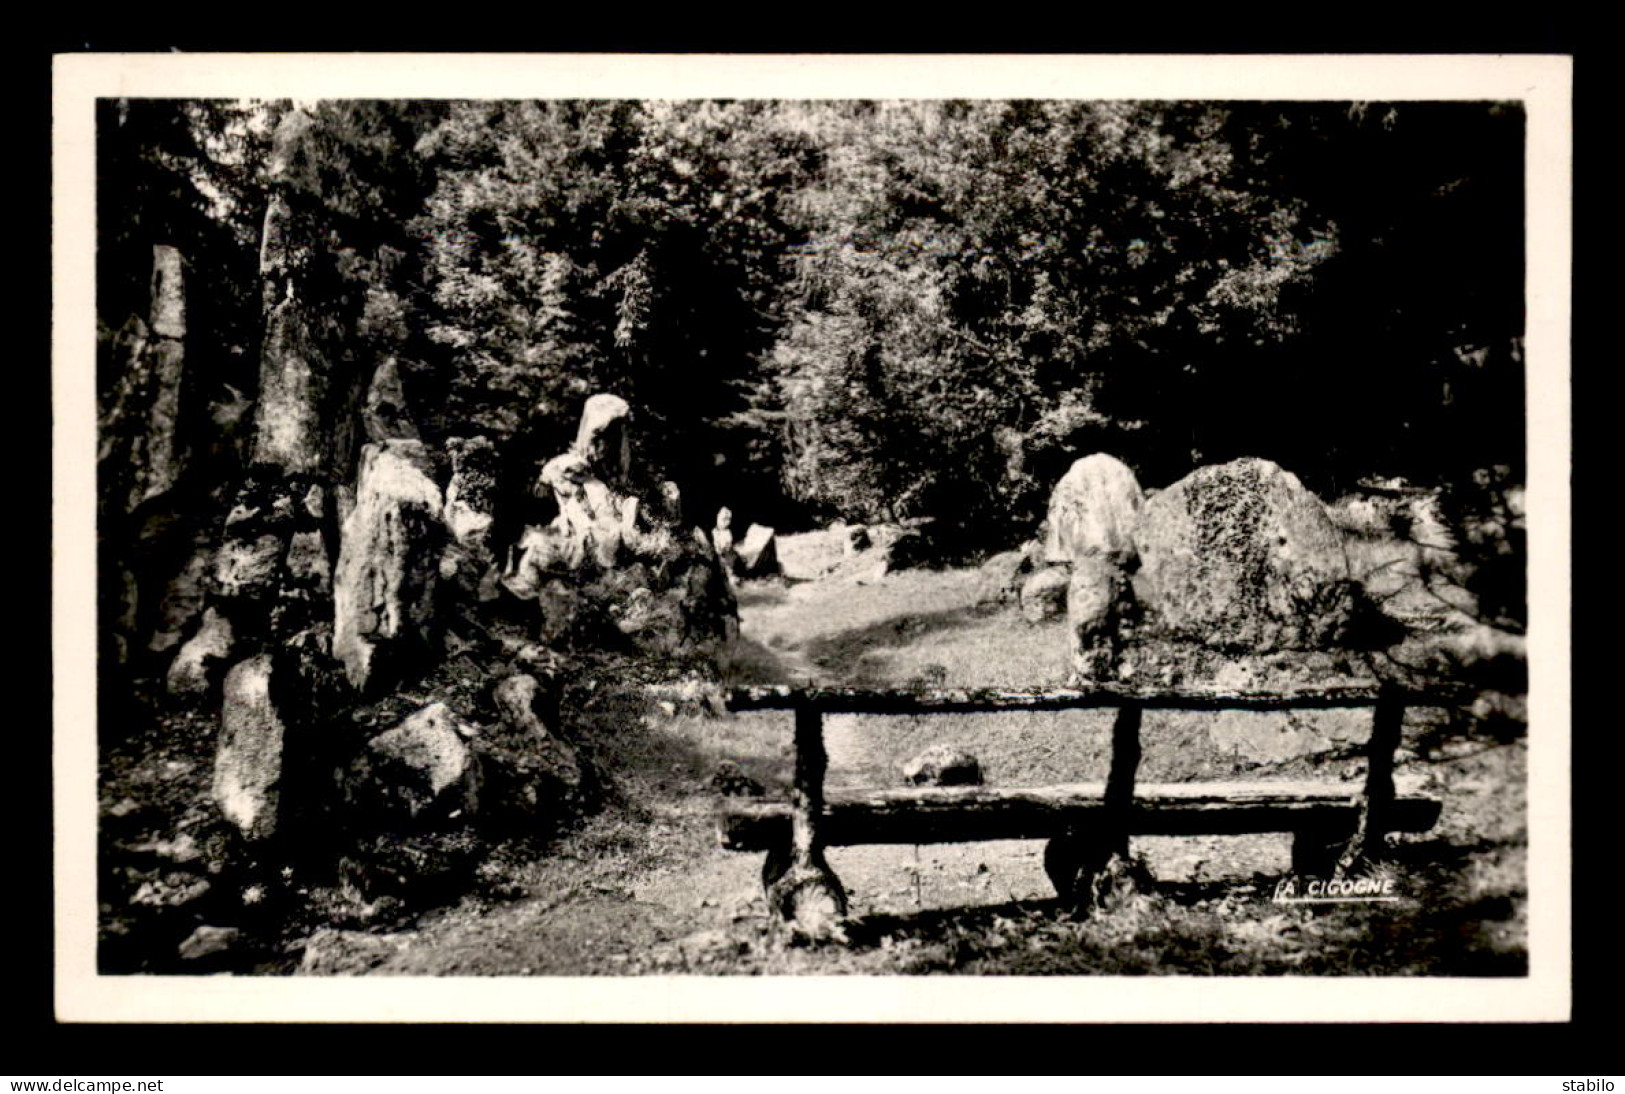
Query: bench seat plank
point(967, 814)
point(835, 700)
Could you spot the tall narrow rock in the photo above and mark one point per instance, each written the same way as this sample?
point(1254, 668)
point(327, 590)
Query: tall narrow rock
point(389, 559)
point(168, 294)
point(602, 438)
point(758, 552)
point(248, 758)
point(470, 513)
point(385, 415)
point(289, 422)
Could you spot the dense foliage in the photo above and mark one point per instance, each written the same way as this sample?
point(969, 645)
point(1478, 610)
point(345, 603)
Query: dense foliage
point(888, 310)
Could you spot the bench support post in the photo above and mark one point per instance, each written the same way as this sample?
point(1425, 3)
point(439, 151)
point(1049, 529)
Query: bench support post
point(1088, 867)
point(801, 888)
point(1378, 801)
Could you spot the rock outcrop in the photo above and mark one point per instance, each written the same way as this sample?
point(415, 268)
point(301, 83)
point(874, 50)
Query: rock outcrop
point(607, 556)
point(1241, 556)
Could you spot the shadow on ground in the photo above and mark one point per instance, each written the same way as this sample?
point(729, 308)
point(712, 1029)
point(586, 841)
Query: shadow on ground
point(853, 656)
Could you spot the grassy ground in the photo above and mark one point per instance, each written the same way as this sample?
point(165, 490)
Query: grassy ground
point(642, 887)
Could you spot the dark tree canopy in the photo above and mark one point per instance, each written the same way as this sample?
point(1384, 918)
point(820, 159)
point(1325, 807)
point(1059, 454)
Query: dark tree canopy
point(883, 310)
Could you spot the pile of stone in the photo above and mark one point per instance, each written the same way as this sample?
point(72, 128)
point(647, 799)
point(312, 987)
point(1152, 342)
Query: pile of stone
point(414, 548)
point(608, 554)
point(358, 561)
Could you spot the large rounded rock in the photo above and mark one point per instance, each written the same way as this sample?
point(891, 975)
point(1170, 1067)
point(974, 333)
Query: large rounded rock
point(1093, 510)
point(421, 769)
point(1242, 556)
point(943, 765)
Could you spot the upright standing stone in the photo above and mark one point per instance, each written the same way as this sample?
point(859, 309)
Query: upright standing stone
point(168, 294)
point(155, 460)
point(1098, 600)
point(289, 430)
point(1093, 510)
point(389, 558)
point(1241, 556)
point(248, 758)
point(385, 416)
point(470, 512)
point(602, 438)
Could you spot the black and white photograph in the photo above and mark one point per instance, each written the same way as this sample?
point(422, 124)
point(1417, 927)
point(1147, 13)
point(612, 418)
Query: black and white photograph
point(695, 539)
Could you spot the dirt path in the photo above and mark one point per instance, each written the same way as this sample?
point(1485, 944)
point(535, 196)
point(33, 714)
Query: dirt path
point(654, 892)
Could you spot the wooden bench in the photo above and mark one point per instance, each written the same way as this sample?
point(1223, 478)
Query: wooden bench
point(1087, 824)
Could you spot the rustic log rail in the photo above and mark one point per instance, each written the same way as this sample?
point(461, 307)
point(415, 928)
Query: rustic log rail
point(1087, 824)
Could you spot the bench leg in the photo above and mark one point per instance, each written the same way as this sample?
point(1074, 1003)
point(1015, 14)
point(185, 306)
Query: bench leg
point(1378, 800)
point(1096, 870)
point(801, 888)
point(1091, 871)
point(1315, 851)
point(1072, 861)
point(805, 893)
